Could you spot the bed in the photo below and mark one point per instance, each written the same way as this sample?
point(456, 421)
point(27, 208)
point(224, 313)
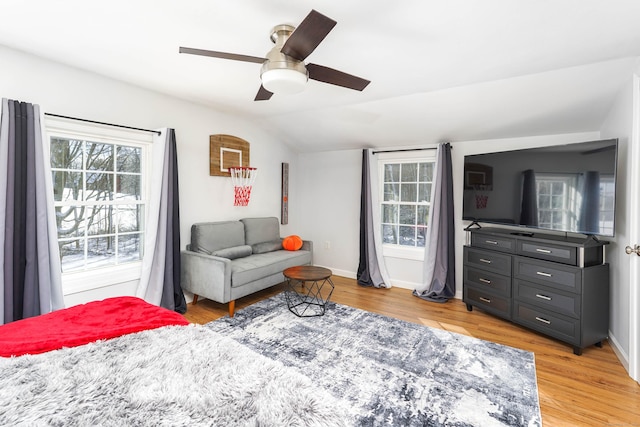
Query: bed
point(122, 361)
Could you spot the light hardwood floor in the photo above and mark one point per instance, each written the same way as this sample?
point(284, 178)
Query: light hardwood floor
point(589, 390)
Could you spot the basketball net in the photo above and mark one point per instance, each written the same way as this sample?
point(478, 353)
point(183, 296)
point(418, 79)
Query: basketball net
point(481, 198)
point(243, 179)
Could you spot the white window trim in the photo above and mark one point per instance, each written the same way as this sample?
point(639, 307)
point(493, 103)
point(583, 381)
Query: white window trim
point(86, 280)
point(399, 251)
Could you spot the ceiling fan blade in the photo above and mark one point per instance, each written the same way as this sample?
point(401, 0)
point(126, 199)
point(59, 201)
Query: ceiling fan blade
point(223, 55)
point(335, 77)
point(308, 35)
point(263, 94)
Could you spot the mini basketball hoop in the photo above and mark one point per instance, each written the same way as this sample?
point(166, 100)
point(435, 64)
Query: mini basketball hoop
point(481, 200)
point(243, 179)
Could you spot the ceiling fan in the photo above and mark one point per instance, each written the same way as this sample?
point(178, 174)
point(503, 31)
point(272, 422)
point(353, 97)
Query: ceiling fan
point(283, 69)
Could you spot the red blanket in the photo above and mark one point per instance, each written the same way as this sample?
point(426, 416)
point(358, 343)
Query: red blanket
point(82, 324)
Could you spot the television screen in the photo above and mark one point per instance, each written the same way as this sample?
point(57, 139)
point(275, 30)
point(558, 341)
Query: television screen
point(569, 188)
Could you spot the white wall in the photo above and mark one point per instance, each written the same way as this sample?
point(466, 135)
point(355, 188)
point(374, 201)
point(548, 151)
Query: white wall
point(619, 124)
point(68, 91)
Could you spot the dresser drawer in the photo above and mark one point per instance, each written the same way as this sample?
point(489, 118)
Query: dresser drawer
point(548, 273)
point(497, 243)
point(555, 325)
point(549, 252)
point(548, 299)
point(490, 302)
point(485, 279)
point(488, 260)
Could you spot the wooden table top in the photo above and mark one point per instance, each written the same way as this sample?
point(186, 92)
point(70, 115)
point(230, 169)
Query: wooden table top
point(307, 273)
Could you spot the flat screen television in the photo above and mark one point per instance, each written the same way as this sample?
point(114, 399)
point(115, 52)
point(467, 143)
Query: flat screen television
point(568, 188)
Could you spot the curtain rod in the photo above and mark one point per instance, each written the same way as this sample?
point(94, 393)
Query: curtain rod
point(406, 149)
point(102, 123)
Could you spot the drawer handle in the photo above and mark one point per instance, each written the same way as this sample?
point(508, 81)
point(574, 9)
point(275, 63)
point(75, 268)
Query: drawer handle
point(486, 261)
point(544, 297)
point(487, 300)
point(491, 242)
point(542, 273)
point(488, 282)
point(545, 321)
point(544, 251)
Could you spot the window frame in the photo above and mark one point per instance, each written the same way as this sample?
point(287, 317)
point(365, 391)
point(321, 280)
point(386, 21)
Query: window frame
point(423, 156)
point(94, 278)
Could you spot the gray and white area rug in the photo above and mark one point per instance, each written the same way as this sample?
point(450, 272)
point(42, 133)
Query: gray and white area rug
point(172, 376)
point(391, 372)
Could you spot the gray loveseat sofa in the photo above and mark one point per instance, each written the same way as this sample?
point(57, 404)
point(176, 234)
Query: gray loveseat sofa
point(228, 260)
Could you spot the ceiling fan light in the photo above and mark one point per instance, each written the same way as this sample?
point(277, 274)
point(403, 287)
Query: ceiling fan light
point(284, 81)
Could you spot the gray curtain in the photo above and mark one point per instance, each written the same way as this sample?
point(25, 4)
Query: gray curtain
point(160, 280)
point(529, 202)
point(371, 268)
point(30, 268)
point(439, 261)
point(589, 218)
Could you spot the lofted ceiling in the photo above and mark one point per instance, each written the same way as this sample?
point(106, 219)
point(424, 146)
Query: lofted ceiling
point(440, 70)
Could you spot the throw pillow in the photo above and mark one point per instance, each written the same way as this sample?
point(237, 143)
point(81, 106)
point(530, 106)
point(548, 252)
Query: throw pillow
point(292, 243)
point(260, 248)
point(233, 252)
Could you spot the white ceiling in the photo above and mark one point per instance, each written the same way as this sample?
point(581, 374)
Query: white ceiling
point(440, 70)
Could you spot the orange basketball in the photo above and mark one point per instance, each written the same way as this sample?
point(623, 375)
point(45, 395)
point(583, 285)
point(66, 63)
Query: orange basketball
point(292, 243)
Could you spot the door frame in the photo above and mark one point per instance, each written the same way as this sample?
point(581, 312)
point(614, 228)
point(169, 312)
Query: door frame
point(633, 180)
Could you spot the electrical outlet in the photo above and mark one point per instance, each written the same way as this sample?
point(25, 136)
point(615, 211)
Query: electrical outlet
point(327, 244)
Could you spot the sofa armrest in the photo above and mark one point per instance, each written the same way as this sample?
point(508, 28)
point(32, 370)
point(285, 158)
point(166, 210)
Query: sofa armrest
point(307, 245)
point(208, 276)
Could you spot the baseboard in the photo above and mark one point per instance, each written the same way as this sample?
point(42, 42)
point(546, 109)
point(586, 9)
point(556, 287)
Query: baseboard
point(397, 283)
point(620, 353)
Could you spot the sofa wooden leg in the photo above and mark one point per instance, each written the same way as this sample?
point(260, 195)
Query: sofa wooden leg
point(232, 308)
point(195, 299)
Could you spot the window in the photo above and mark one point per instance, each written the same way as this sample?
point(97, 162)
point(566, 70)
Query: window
point(556, 201)
point(100, 197)
point(405, 201)
point(607, 203)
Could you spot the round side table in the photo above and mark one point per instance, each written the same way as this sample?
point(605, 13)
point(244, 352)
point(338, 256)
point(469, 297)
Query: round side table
point(308, 290)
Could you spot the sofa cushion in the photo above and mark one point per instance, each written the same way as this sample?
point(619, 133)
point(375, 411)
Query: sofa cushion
point(257, 266)
point(260, 248)
point(233, 252)
point(212, 236)
point(260, 230)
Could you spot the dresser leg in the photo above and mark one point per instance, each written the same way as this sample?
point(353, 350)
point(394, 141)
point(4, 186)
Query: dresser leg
point(577, 351)
point(469, 307)
point(599, 344)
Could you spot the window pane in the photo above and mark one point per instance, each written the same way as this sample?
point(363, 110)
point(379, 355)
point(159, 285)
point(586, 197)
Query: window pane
point(67, 186)
point(390, 214)
point(100, 219)
point(129, 187)
point(99, 156)
point(392, 173)
point(101, 251)
point(544, 202)
point(424, 192)
point(389, 234)
point(426, 172)
point(409, 172)
point(408, 214)
point(391, 192)
point(129, 248)
point(130, 218)
point(422, 235)
point(128, 159)
point(556, 202)
point(409, 192)
point(407, 235)
point(69, 221)
point(99, 186)
point(72, 254)
point(66, 154)
point(423, 215)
